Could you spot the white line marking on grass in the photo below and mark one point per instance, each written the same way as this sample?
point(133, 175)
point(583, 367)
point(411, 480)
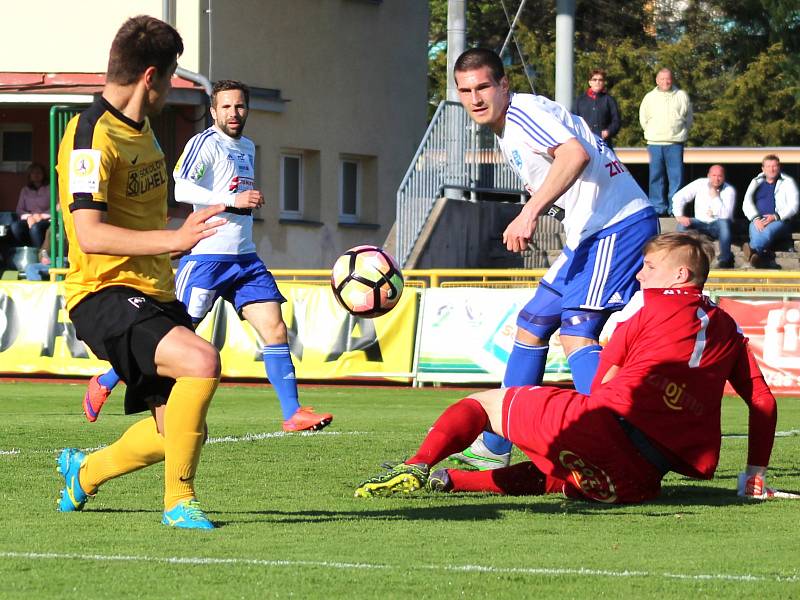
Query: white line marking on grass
point(790, 433)
point(533, 571)
point(228, 439)
point(251, 437)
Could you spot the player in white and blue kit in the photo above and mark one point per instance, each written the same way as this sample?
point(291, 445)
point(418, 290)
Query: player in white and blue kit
point(607, 219)
point(218, 166)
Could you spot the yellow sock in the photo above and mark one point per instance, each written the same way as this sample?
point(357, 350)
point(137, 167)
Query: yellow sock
point(140, 446)
point(184, 430)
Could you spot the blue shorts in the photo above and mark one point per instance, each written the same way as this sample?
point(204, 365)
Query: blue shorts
point(200, 282)
point(586, 284)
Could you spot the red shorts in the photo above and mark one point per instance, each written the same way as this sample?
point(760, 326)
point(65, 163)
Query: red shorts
point(568, 438)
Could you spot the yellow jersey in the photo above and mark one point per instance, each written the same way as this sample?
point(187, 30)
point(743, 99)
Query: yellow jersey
point(109, 162)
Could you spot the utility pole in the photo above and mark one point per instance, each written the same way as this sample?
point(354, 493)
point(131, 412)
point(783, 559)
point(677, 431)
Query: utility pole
point(454, 144)
point(565, 42)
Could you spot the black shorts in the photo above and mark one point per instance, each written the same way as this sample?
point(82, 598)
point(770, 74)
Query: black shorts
point(124, 326)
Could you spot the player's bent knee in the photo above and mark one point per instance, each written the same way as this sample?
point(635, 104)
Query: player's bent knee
point(206, 363)
point(492, 403)
point(526, 337)
point(187, 356)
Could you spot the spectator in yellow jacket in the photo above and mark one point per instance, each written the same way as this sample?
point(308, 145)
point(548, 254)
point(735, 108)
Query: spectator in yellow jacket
point(666, 117)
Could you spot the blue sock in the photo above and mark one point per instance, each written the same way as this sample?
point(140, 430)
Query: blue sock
point(280, 371)
point(525, 367)
point(583, 364)
point(109, 379)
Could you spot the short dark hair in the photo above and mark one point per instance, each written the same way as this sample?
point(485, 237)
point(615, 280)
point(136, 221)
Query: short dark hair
point(142, 42)
point(223, 85)
point(771, 157)
point(600, 72)
point(476, 58)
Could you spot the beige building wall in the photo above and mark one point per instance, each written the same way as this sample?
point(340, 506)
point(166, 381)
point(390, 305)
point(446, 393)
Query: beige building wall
point(53, 36)
point(353, 74)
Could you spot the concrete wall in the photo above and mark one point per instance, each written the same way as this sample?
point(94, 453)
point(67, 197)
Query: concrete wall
point(467, 236)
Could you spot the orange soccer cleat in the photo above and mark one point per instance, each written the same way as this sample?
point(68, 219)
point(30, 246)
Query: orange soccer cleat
point(96, 396)
point(305, 419)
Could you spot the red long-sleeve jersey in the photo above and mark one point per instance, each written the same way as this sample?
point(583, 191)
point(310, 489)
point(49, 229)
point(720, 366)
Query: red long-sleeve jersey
point(675, 350)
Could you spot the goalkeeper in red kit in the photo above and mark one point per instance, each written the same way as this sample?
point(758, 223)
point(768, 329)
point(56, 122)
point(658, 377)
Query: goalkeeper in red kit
point(654, 407)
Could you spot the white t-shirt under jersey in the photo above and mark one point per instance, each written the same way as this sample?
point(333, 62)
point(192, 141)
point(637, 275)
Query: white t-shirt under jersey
point(213, 168)
point(605, 192)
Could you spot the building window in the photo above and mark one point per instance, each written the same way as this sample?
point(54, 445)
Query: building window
point(292, 185)
point(349, 191)
point(16, 147)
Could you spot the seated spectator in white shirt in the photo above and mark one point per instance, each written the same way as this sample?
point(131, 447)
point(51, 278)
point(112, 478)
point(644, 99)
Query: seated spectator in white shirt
point(714, 202)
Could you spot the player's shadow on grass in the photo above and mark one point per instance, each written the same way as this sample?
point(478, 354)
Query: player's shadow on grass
point(674, 499)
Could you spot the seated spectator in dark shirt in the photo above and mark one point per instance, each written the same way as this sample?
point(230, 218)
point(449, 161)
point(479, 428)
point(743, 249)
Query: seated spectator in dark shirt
point(770, 202)
point(33, 209)
point(598, 109)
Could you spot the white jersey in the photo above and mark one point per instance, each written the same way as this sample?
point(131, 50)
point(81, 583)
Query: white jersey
point(605, 192)
point(213, 168)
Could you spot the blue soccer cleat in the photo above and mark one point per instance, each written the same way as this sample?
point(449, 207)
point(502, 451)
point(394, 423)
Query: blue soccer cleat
point(69, 465)
point(187, 515)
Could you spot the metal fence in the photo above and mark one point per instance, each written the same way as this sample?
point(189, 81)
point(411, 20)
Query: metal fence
point(457, 158)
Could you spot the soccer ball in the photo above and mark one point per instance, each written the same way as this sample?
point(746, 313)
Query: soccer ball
point(366, 281)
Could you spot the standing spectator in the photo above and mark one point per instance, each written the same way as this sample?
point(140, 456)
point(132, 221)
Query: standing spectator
point(714, 202)
point(770, 202)
point(598, 108)
point(666, 117)
point(33, 209)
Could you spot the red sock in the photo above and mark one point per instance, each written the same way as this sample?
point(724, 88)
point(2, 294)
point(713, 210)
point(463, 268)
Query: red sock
point(454, 430)
point(521, 479)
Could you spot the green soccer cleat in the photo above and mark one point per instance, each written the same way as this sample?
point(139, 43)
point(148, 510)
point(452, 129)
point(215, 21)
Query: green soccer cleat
point(187, 515)
point(69, 465)
point(479, 457)
point(402, 479)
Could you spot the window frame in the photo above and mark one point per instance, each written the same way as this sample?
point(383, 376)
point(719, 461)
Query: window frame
point(356, 216)
point(284, 212)
point(15, 166)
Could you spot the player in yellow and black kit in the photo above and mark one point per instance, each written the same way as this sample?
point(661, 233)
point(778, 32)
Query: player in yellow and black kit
point(120, 291)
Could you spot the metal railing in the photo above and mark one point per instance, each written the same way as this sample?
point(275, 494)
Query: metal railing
point(59, 117)
point(454, 154)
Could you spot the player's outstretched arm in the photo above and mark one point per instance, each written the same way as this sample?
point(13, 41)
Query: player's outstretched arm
point(569, 160)
point(95, 236)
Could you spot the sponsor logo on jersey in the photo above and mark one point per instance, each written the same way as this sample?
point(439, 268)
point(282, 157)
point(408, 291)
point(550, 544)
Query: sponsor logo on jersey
point(146, 178)
point(674, 395)
point(84, 171)
point(615, 298)
point(591, 479)
point(137, 301)
point(197, 172)
point(516, 159)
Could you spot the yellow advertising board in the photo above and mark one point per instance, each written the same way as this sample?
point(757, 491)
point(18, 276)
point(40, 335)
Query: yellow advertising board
point(326, 342)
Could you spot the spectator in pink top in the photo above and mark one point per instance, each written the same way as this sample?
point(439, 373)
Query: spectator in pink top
point(33, 209)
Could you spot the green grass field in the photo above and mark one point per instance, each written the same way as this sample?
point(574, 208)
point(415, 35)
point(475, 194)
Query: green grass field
point(288, 524)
